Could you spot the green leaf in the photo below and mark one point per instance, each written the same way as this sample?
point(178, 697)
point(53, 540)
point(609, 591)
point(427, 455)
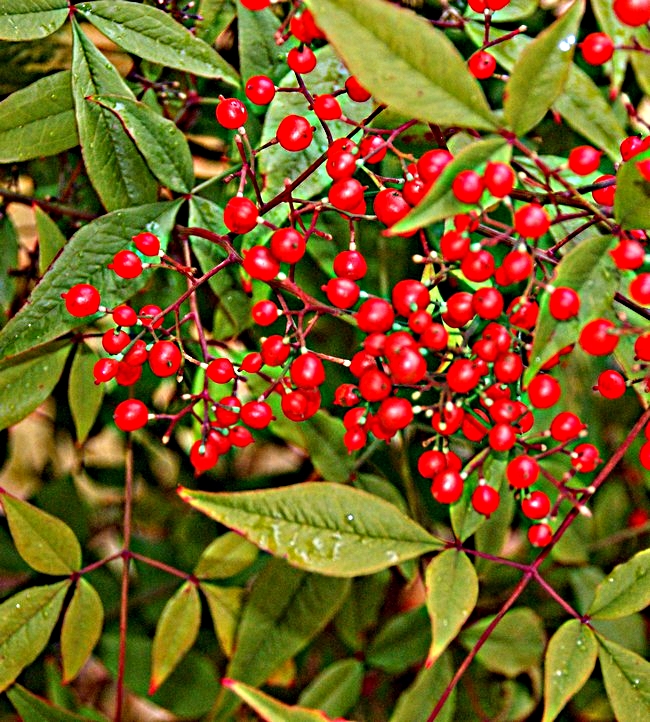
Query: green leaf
point(491, 536)
point(336, 689)
point(620, 34)
point(270, 709)
point(452, 593)
point(416, 702)
point(590, 270)
point(176, 632)
point(259, 54)
point(570, 660)
point(84, 395)
point(319, 526)
point(38, 120)
point(225, 605)
point(361, 609)
point(625, 591)
point(8, 261)
point(114, 165)
point(50, 239)
point(228, 555)
point(31, 19)
point(627, 681)
point(35, 709)
point(26, 622)
point(82, 628)
point(401, 643)
point(514, 10)
point(154, 35)
point(640, 60)
point(216, 16)
point(440, 202)
point(46, 543)
point(515, 645)
point(632, 199)
point(25, 386)
point(286, 609)
point(83, 260)
point(161, 143)
point(323, 436)
point(404, 62)
point(541, 72)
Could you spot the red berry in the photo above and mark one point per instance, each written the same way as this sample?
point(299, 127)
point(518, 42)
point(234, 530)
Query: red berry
point(350, 264)
point(611, 384)
point(432, 163)
point(127, 375)
point(632, 12)
point(409, 295)
point(375, 314)
point(203, 456)
point(531, 221)
point(304, 28)
point(389, 206)
point(105, 369)
point(544, 391)
point(148, 312)
point(231, 113)
point(477, 266)
point(341, 165)
point(342, 292)
point(356, 91)
point(394, 414)
point(640, 289)
point(375, 385)
point(294, 133)
point(564, 303)
point(463, 376)
point(147, 243)
point(81, 300)
point(597, 339)
point(447, 487)
point(220, 371)
point(255, 4)
point(644, 455)
point(372, 149)
point(260, 89)
point(460, 310)
point(115, 341)
point(287, 245)
point(522, 471)
point(240, 215)
point(597, 48)
point(327, 107)
point(482, 65)
point(499, 178)
point(584, 159)
point(302, 60)
point(240, 436)
point(137, 354)
point(449, 421)
point(346, 194)
point(540, 535)
point(467, 186)
point(256, 414)
point(165, 358)
point(126, 264)
point(566, 426)
point(502, 437)
point(261, 264)
point(485, 499)
point(454, 246)
point(307, 371)
point(130, 415)
point(642, 347)
point(605, 195)
point(536, 505)
point(628, 255)
point(125, 316)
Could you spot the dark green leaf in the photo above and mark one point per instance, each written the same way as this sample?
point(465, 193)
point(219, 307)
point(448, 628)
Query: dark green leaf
point(25, 386)
point(319, 526)
point(415, 703)
point(84, 395)
point(515, 645)
point(405, 62)
point(8, 260)
point(31, 19)
point(632, 199)
point(361, 608)
point(35, 709)
point(336, 689)
point(570, 660)
point(38, 120)
point(323, 435)
point(176, 632)
point(259, 54)
point(225, 605)
point(625, 591)
point(154, 35)
point(216, 16)
point(539, 75)
point(452, 592)
point(627, 681)
point(46, 543)
point(625, 356)
point(115, 167)
point(50, 239)
point(83, 260)
point(491, 536)
point(26, 622)
point(82, 628)
point(589, 269)
point(161, 143)
point(401, 643)
point(228, 555)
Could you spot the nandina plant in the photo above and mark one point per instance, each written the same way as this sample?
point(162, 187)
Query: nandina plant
point(325, 360)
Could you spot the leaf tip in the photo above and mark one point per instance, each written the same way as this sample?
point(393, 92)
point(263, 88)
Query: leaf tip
point(228, 683)
point(153, 686)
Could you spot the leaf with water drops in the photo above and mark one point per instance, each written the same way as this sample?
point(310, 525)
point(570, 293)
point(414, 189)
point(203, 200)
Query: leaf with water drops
point(81, 629)
point(452, 592)
point(627, 681)
point(31, 19)
point(570, 659)
point(46, 543)
point(321, 527)
point(625, 591)
point(26, 622)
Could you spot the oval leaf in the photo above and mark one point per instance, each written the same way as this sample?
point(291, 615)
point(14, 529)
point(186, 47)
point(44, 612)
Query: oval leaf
point(176, 632)
point(154, 35)
point(401, 643)
point(570, 660)
point(161, 143)
point(404, 62)
point(336, 689)
point(46, 543)
point(632, 199)
point(416, 702)
point(225, 609)
point(228, 555)
point(26, 622)
point(625, 591)
point(31, 19)
point(81, 629)
point(321, 527)
point(50, 239)
point(627, 681)
point(38, 120)
point(84, 395)
point(35, 709)
point(452, 592)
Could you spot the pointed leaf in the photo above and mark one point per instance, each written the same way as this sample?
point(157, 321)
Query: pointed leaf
point(401, 643)
point(225, 605)
point(627, 681)
point(176, 632)
point(625, 591)
point(452, 592)
point(26, 622)
point(570, 660)
point(161, 143)
point(588, 269)
point(216, 16)
point(83, 260)
point(541, 72)
point(336, 689)
point(50, 239)
point(632, 199)
point(8, 261)
point(82, 628)
point(270, 709)
point(84, 395)
point(25, 386)
point(154, 35)
point(35, 709)
point(259, 53)
point(228, 555)
point(415, 703)
point(608, 23)
point(31, 19)
point(424, 76)
point(38, 120)
point(319, 526)
point(115, 167)
point(46, 543)
point(640, 60)
point(323, 435)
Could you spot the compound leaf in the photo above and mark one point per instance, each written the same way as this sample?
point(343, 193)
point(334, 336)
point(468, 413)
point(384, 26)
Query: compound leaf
point(81, 629)
point(625, 591)
point(627, 681)
point(31, 19)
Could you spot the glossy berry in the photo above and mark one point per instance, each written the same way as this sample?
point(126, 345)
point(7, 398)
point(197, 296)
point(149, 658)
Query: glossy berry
point(255, 4)
point(611, 384)
point(231, 113)
point(114, 341)
point(294, 133)
point(584, 159)
point(447, 487)
point(566, 426)
point(485, 499)
point(409, 295)
point(394, 413)
point(287, 245)
point(302, 60)
point(130, 415)
point(327, 107)
point(350, 264)
point(544, 391)
point(482, 65)
point(165, 358)
point(432, 163)
point(307, 371)
point(148, 312)
point(640, 289)
point(389, 206)
point(147, 243)
point(105, 369)
point(463, 376)
point(341, 165)
point(240, 215)
point(81, 300)
point(499, 178)
point(252, 362)
point(260, 89)
point(372, 149)
point(531, 221)
point(356, 91)
point(632, 12)
point(256, 414)
point(629, 254)
point(375, 314)
point(260, 263)
point(597, 48)
point(564, 303)
point(220, 370)
point(127, 375)
point(605, 195)
point(467, 187)
point(522, 471)
point(478, 266)
point(125, 316)
point(346, 194)
point(536, 505)
point(137, 354)
point(342, 292)
point(432, 463)
point(274, 350)
point(126, 264)
point(264, 313)
point(540, 535)
point(596, 337)
point(203, 456)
